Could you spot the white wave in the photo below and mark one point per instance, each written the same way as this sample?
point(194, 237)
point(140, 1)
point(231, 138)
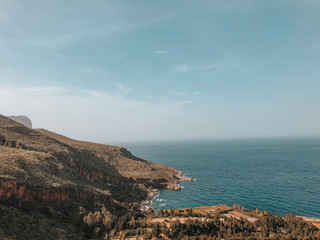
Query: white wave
point(163, 204)
point(160, 200)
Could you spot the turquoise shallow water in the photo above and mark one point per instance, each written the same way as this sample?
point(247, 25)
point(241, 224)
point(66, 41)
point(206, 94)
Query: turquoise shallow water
point(275, 175)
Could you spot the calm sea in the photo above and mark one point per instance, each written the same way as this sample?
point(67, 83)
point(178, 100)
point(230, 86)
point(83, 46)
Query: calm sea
point(276, 175)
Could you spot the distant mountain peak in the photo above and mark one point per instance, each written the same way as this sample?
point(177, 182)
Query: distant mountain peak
point(24, 120)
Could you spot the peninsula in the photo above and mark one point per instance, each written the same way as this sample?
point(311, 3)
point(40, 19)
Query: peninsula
point(54, 187)
point(46, 177)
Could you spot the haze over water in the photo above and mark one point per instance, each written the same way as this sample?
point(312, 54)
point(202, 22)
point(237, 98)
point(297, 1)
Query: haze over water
point(276, 175)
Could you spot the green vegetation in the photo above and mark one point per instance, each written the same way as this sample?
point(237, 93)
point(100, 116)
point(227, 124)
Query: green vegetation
point(190, 224)
point(54, 175)
point(53, 187)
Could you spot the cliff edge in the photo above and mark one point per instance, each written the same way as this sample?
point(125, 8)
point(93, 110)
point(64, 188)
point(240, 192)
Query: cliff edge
point(44, 175)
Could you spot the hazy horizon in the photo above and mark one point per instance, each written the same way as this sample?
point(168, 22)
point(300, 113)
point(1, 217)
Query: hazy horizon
point(110, 71)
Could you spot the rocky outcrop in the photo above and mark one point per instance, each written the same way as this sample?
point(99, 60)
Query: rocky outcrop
point(173, 186)
point(11, 189)
point(95, 175)
point(182, 178)
point(10, 143)
point(162, 183)
point(2, 140)
point(24, 120)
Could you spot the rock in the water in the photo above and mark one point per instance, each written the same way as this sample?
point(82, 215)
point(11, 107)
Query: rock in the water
point(24, 120)
point(173, 186)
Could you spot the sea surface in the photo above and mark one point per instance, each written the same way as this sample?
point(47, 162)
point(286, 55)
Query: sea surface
point(276, 175)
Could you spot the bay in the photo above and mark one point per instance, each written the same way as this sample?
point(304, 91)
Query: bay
point(276, 175)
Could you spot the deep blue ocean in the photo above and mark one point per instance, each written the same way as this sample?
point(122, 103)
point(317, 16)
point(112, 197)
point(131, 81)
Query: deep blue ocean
point(276, 175)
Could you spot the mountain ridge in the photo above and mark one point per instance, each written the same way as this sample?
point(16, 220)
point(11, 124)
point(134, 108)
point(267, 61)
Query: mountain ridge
point(48, 170)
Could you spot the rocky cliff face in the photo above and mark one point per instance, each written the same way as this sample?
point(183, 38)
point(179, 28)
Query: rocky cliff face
point(48, 171)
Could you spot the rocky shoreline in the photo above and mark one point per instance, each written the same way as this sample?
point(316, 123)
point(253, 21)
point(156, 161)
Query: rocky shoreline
point(153, 192)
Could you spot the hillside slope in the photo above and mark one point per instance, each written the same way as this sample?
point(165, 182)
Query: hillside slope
point(43, 170)
point(122, 160)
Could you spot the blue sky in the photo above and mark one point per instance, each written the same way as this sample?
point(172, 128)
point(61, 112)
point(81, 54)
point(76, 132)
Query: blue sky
point(113, 71)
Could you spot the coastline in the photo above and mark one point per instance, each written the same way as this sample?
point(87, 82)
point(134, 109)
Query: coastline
point(180, 178)
point(153, 192)
point(225, 176)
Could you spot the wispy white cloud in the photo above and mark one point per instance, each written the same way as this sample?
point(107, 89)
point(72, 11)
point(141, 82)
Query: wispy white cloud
point(181, 68)
point(109, 118)
point(195, 94)
point(181, 103)
point(94, 115)
point(90, 69)
point(57, 29)
point(179, 93)
point(182, 98)
point(138, 24)
point(160, 52)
